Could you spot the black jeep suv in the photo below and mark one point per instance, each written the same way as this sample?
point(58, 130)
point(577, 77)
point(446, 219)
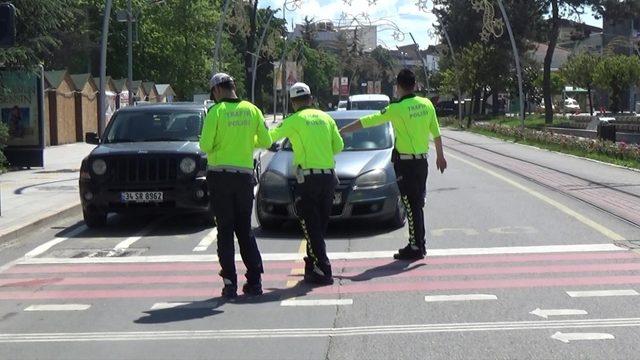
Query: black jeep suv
point(147, 161)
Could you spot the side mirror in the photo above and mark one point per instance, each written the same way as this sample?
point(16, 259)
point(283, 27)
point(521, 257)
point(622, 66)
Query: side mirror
point(91, 138)
point(275, 147)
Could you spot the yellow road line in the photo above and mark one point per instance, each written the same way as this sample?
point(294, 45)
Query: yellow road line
point(565, 209)
point(297, 271)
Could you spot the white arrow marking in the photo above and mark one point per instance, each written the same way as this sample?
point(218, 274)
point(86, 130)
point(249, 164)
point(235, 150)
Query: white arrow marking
point(567, 337)
point(557, 312)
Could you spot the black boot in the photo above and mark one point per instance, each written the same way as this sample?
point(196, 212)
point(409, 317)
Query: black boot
point(230, 289)
point(410, 252)
point(315, 275)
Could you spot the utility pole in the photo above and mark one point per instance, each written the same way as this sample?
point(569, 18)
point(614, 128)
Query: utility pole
point(103, 65)
point(424, 63)
point(129, 50)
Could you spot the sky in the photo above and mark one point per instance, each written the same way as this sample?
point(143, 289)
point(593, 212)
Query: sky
point(404, 13)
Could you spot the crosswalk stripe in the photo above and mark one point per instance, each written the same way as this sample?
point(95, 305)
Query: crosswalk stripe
point(459, 297)
point(334, 256)
point(58, 307)
point(603, 293)
point(317, 302)
point(207, 241)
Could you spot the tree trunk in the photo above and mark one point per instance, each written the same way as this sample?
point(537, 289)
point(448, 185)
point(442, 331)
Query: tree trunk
point(546, 83)
point(250, 48)
point(590, 100)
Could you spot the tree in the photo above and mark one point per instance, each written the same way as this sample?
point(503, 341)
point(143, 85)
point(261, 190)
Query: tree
point(616, 73)
point(37, 23)
point(580, 70)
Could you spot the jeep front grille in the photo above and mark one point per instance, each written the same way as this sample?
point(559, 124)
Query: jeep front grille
point(142, 169)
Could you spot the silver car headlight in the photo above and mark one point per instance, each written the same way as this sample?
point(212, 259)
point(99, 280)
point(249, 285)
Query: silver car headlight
point(271, 178)
point(99, 167)
point(371, 180)
point(187, 165)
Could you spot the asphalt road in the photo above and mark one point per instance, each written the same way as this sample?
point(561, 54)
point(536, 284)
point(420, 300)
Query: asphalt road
point(516, 269)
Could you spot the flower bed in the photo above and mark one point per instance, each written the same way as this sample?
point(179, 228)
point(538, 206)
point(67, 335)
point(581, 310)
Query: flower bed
point(628, 153)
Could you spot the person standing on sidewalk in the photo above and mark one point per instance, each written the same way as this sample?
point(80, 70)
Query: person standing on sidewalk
point(414, 121)
point(315, 140)
point(231, 131)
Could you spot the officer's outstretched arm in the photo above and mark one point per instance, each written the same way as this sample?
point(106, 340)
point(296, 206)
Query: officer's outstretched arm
point(354, 126)
point(280, 132)
point(263, 139)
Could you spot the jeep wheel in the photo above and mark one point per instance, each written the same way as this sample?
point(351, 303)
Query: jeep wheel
point(94, 218)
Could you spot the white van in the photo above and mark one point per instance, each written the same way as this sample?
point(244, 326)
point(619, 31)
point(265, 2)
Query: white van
point(368, 102)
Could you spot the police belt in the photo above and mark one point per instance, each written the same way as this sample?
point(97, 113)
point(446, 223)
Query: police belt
point(317, 171)
point(413, 156)
point(231, 169)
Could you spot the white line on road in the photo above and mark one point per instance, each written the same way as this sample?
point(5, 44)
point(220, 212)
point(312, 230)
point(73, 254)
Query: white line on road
point(51, 243)
point(545, 313)
point(568, 337)
point(58, 307)
point(459, 297)
point(184, 305)
point(335, 256)
point(317, 302)
point(207, 241)
point(125, 244)
point(601, 293)
point(385, 330)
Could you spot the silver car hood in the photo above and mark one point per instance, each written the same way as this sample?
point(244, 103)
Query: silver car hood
point(349, 164)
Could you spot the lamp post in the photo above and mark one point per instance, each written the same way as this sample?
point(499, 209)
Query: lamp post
point(256, 56)
point(103, 65)
point(216, 49)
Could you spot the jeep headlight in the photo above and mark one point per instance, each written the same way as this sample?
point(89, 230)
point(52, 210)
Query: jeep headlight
point(271, 178)
point(99, 166)
point(371, 180)
point(187, 165)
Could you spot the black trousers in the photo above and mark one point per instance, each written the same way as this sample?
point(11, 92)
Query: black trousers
point(412, 182)
point(314, 199)
point(231, 197)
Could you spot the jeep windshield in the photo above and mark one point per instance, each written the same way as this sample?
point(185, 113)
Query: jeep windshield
point(154, 125)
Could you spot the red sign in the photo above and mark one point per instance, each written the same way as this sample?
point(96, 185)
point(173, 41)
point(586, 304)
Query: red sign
point(344, 86)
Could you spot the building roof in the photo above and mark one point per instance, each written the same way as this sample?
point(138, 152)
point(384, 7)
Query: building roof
point(80, 80)
point(560, 55)
point(120, 84)
point(55, 77)
point(575, 24)
point(149, 86)
point(165, 90)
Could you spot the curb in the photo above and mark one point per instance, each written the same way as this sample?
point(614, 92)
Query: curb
point(21, 230)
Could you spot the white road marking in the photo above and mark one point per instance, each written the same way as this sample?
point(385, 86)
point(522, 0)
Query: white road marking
point(184, 305)
point(125, 244)
point(318, 302)
point(568, 337)
point(207, 241)
point(601, 293)
point(385, 330)
point(459, 297)
point(51, 243)
point(334, 256)
point(545, 313)
point(58, 307)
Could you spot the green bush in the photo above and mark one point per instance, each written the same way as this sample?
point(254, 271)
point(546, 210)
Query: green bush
point(620, 150)
point(4, 137)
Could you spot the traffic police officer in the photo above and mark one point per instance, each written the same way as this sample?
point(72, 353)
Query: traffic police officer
point(414, 120)
point(230, 133)
point(315, 140)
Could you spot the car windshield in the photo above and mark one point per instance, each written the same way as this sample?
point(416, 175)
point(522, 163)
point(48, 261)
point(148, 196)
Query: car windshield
point(369, 105)
point(374, 138)
point(153, 125)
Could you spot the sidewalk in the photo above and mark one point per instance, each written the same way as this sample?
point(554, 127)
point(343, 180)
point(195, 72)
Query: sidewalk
point(30, 197)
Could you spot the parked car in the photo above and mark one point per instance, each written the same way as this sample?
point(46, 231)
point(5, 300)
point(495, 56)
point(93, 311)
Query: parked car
point(571, 105)
point(367, 188)
point(342, 105)
point(446, 108)
point(368, 102)
point(148, 160)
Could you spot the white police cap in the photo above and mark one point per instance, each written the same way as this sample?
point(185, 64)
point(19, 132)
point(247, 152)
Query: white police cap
point(299, 89)
point(220, 78)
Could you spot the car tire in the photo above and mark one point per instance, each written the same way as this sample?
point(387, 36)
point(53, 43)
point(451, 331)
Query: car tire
point(208, 218)
point(94, 218)
point(270, 224)
point(399, 218)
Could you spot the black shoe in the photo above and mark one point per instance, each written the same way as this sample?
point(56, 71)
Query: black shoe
point(230, 291)
point(314, 278)
point(252, 289)
point(410, 252)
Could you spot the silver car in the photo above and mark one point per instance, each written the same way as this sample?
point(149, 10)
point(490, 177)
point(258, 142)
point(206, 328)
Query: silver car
point(367, 188)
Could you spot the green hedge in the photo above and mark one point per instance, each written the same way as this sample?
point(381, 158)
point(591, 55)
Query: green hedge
point(629, 154)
